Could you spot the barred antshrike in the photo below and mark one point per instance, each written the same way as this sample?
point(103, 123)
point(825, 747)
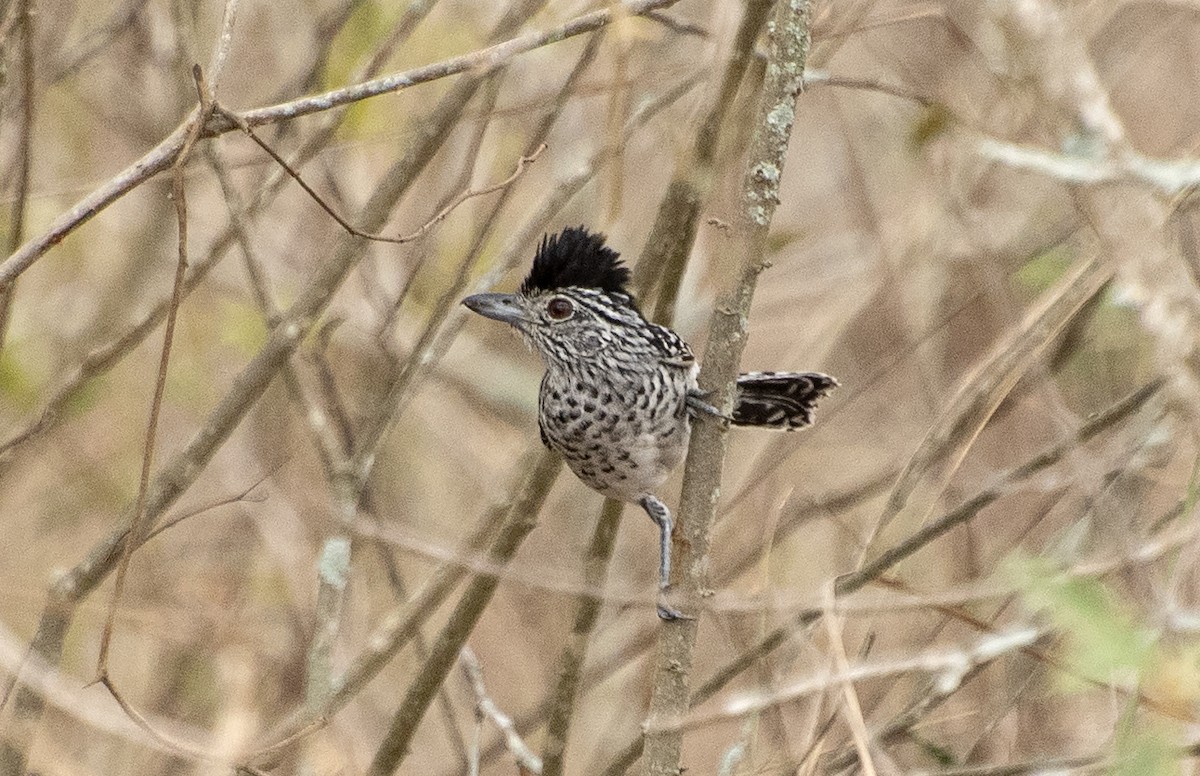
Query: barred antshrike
point(619, 391)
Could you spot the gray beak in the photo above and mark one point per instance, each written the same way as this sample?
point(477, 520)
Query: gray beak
point(498, 307)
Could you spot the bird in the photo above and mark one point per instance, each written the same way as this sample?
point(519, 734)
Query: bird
point(619, 392)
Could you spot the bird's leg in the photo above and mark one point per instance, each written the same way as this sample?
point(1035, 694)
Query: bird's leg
point(662, 518)
point(697, 405)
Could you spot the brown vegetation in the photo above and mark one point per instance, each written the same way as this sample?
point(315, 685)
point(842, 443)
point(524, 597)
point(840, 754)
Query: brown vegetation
point(352, 553)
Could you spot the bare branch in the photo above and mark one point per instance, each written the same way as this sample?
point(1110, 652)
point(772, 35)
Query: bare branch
point(570, 661)
point(139, 509)
point(524, 756)
point(163, 155)
point(332, 575)
point(19, 13)
point(1170, 177)
point(788, 49)
point(947, 666)
point(437, 218)
point(519, 520)
point(479, 62)
point(853, 709)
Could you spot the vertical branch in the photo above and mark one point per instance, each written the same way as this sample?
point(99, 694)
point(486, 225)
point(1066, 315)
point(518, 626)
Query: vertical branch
point(788, 49)
point(660, 267)
point(16, 221)
point(570, 662)
point(618, 108)
point(138, 519)
point(518, 522)
point(332, 574)
point(664, 258)
point(205, 91)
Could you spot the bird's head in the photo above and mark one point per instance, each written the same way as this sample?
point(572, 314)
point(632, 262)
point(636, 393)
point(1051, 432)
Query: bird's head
point(572, 304)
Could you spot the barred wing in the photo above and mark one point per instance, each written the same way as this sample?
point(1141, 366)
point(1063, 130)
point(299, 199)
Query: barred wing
point(671, 347)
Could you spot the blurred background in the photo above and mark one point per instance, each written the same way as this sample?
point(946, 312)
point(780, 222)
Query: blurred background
point(986, 233)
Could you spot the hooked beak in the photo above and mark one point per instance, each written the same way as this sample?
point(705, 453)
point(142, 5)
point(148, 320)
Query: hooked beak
point(498, 307)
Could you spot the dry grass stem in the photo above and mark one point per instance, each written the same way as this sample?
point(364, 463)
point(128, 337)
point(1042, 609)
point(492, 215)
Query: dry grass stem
point(949, 439)
point(317, 512)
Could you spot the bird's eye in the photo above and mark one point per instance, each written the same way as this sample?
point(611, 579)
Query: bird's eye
point(560, 309)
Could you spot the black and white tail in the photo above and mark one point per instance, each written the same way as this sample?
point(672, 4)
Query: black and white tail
point(783, 400)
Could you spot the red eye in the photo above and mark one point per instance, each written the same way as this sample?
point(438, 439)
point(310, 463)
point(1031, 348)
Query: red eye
point(560, 309)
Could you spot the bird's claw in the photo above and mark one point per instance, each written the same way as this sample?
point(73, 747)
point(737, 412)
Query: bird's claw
point(667, 612)
point(696, 403)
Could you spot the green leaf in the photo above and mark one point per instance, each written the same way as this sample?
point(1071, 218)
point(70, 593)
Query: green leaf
point(242, 326)
point(1044, 269)
point(16, 385)
point(1144, 753)
point(1104, 642)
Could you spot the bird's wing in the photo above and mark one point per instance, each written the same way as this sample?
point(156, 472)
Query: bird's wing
point(672, 350)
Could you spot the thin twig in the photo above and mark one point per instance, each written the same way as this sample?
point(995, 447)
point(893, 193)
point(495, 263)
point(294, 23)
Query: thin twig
point(947, 666)
point(164, 154)
point(166, 741)
point(242, 496)
point(438, 217)
point(216, 66)
point(819, 78)
point(487, 707)
point(678, 25)
point(478, 62)
point(139, 509)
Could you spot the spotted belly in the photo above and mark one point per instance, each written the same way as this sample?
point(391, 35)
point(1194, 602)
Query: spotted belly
point(622, 452)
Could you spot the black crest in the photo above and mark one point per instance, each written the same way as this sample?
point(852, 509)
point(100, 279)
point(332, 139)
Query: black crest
point(576, 257)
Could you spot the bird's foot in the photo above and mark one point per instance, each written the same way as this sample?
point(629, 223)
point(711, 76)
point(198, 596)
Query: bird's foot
point(666, 611)
point(696, 403)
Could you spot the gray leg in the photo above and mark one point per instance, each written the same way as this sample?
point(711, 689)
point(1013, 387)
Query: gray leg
point(697, 405)
point(662, 518)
